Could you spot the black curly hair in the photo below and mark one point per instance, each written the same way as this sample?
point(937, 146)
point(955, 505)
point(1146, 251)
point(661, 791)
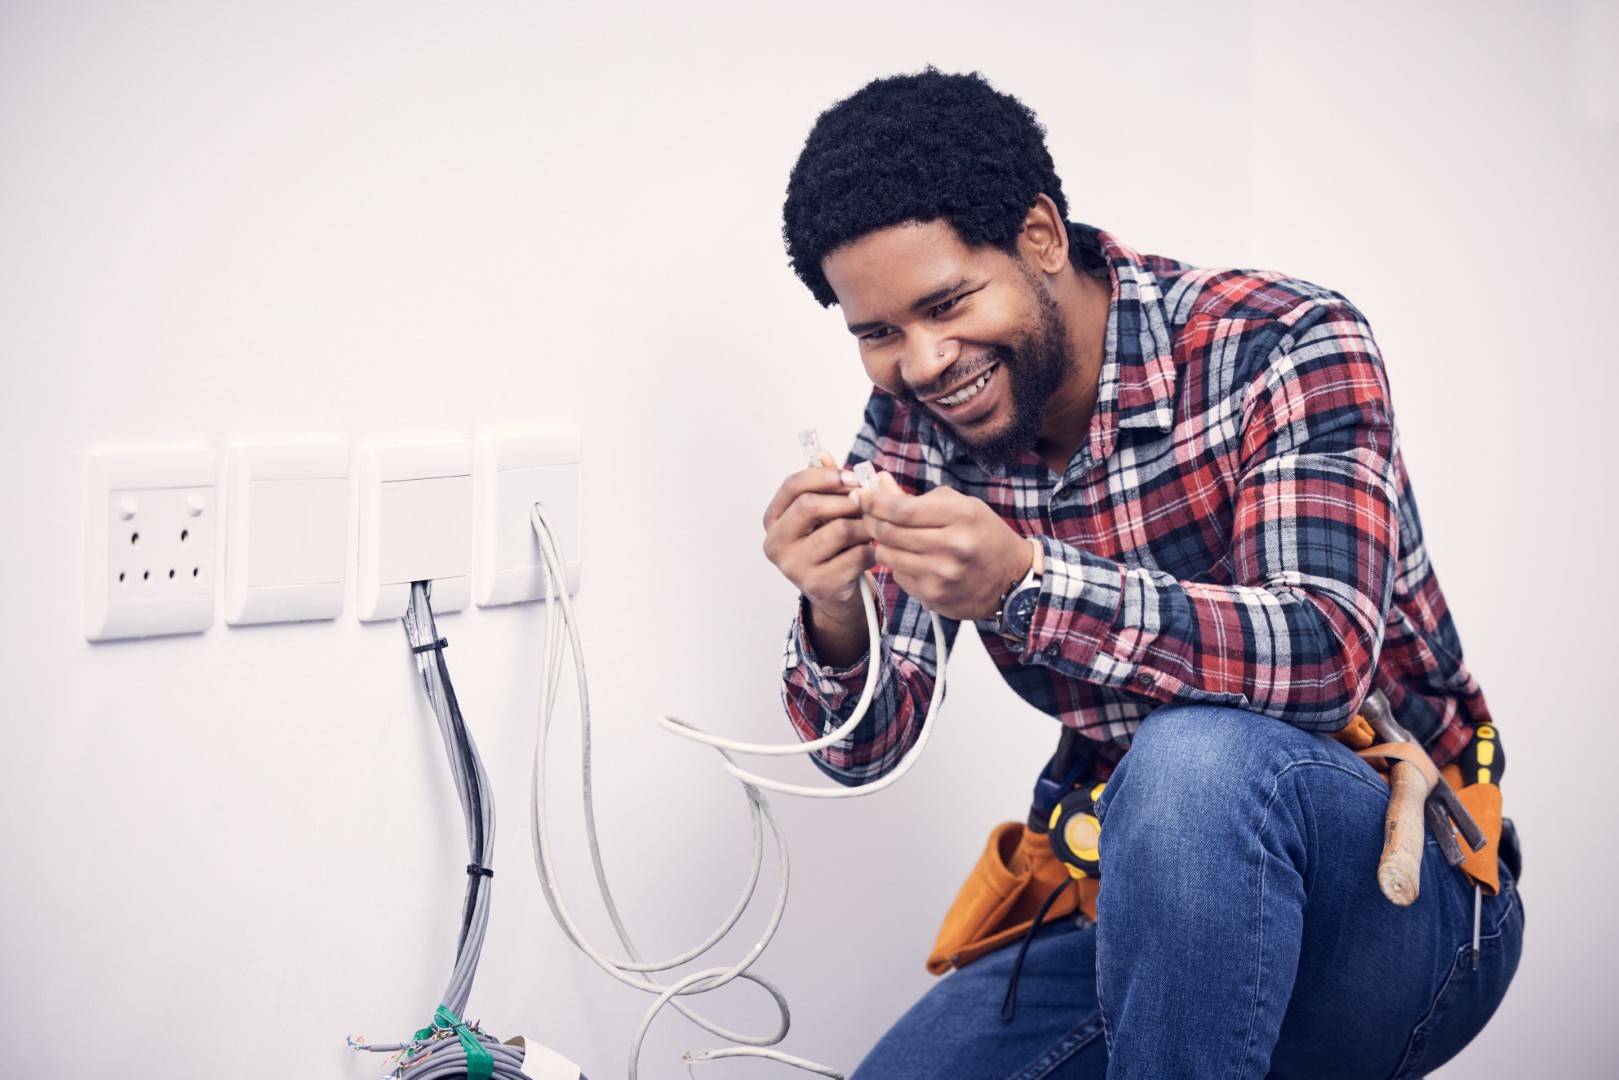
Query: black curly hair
point(916, 148)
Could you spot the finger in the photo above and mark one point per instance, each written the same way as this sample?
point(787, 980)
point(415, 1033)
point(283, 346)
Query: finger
point(912, 511)
point(848, 564)
point(885, 484)
point(921, 540)
point(912, 571)
point(826, 543)
point(809, 512)
point(833, 576)
point(821, 480)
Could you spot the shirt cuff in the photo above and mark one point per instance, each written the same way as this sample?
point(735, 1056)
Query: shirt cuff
point(829, 683)
point(1080, 594)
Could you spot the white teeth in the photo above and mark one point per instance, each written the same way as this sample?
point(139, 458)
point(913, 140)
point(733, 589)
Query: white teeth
point(966, 393)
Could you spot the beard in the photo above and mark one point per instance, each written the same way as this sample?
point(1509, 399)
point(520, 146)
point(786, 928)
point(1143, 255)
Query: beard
point(1034, 366)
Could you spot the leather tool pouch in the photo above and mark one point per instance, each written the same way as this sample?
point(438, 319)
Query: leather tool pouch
point(1483, 802)
point(998, 901)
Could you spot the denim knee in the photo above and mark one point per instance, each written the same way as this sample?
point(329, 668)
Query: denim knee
point(1194, 767)
point(1201, 747)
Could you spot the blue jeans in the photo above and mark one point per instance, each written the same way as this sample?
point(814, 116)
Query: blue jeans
point(1240, 933)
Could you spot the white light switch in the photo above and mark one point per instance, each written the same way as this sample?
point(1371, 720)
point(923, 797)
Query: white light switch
point(514, 473)
point(286, 542)
point(415, 525)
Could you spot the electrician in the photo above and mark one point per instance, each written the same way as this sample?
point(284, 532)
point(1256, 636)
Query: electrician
point(1172, 503)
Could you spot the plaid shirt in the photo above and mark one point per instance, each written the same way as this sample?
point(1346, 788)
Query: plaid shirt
point(1238, 530)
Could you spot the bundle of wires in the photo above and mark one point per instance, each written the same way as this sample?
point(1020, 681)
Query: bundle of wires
point(450, 1046)
point(635, 971)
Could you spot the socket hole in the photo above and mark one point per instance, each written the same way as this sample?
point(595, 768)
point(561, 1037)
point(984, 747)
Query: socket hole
point(145, 574)
point(120, 575)
point(195, 570)
point(185, 535)
point(134, 539)
point(171, 575)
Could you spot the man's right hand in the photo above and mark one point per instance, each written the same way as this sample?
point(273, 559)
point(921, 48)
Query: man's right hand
point(815, 536)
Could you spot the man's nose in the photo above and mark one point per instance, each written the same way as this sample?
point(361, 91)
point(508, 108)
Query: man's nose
point(926, 359)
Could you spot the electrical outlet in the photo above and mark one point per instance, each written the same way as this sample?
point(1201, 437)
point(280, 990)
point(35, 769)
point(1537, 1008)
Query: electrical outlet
point(151, 543)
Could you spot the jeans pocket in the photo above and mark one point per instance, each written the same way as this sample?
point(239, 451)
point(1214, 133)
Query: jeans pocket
point(1466, 999)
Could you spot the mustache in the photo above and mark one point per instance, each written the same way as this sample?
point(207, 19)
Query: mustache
point(959, 373)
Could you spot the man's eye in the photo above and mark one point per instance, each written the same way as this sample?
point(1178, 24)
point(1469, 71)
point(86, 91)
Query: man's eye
point(878, 335)
point(945, 307)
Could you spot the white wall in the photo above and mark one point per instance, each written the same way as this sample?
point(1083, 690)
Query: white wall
point(240, 221)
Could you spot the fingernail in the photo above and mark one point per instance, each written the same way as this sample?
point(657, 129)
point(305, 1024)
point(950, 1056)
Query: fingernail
point(854, 497)
point(849, 478)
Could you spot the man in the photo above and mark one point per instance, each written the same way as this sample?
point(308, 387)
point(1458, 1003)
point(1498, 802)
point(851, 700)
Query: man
point(1173, 504)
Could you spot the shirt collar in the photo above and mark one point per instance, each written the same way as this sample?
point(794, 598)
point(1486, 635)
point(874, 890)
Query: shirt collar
point(1136, 388)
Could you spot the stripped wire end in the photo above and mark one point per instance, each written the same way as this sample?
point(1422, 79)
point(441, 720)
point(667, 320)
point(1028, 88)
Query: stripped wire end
point(866, 473)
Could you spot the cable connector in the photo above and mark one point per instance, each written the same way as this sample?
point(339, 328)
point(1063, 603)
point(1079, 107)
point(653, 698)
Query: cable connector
point(810, 443)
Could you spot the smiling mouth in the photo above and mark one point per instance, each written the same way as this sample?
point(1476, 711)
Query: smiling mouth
point(968, 392)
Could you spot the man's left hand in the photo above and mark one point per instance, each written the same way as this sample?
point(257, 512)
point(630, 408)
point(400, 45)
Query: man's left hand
point(949, 550)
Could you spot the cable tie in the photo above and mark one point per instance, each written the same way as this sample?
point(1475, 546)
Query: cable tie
point(441, 644)
point(480, 1064)
point(479, 871)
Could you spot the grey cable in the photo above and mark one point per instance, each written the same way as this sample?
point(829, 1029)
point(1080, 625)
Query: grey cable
point(442, 1056)
point(477, 804)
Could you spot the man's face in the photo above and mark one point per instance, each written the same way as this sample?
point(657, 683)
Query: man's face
point(969, 334)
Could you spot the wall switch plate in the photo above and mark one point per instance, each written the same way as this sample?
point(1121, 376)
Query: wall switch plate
point(286, 532)
point(415, 525)
point(513, 473)
point(149, 553)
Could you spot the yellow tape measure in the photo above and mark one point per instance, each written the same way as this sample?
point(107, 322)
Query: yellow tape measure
point(1076, 832)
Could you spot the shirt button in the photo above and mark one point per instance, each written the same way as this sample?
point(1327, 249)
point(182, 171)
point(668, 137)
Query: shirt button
point(1052, 651)
point(1144, 681)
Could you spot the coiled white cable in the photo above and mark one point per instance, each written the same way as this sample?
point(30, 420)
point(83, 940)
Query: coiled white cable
point(559, 618)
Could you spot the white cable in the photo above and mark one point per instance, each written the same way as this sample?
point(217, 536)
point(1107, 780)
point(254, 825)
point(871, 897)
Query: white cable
point(560, 608)
point(681, 727)
point(873, 632)
point(559, 617)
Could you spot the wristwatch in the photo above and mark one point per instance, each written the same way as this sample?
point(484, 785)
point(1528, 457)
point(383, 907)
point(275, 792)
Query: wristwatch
point(1017, 604)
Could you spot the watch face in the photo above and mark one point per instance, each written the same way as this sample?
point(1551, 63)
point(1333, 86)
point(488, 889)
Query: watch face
point(1020, 611)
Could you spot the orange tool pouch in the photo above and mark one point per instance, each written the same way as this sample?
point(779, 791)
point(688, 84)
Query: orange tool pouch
point(1483, 801)
point(998, 901)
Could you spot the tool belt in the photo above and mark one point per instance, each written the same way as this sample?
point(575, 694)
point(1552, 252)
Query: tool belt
point(1019, 873)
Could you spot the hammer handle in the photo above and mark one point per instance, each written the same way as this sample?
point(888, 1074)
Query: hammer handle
point(1399, 870)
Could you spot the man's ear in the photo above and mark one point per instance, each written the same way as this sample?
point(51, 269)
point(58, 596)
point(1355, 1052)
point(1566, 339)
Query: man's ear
point(1043, 243)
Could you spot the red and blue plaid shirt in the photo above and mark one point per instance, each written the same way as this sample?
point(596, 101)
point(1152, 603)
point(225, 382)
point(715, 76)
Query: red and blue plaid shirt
point(1238, 530)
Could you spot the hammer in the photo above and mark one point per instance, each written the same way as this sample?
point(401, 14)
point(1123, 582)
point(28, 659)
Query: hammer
point(1399, 869)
